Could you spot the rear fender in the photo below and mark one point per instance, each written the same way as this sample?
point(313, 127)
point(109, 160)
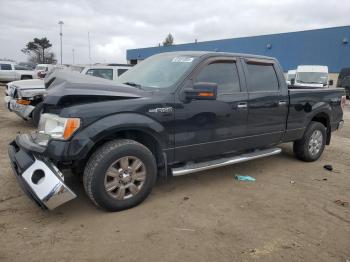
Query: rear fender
point(321, 112)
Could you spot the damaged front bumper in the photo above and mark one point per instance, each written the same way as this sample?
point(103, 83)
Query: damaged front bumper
point(23, 111)
point(39, 178)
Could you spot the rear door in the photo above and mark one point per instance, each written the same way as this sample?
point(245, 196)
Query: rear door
point(206, 128)
point(267, 102)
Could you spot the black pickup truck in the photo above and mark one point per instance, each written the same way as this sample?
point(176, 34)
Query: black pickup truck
point(172, 114)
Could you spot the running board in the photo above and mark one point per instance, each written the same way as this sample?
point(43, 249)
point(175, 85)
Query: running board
point(196, 167)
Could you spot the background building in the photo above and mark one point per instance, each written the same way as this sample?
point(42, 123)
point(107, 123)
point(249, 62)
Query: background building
point(327, 46)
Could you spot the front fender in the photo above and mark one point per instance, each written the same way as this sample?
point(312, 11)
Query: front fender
point(84, 140)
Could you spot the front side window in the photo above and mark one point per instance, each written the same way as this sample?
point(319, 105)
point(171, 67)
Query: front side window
point(5, 67)
point(103, 73)
point(224, 74)
point(262, 77)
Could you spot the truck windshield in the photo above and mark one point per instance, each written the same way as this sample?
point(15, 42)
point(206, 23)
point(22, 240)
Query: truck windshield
point(158, 71)
point(312, 77)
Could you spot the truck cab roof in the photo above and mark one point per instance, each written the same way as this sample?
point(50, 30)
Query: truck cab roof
point(211, 53)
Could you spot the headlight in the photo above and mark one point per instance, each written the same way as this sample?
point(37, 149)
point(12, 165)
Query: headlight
point(53, 126)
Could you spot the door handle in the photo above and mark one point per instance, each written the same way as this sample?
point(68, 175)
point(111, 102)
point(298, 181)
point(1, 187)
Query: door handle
point(242, 105)
point(282, 103)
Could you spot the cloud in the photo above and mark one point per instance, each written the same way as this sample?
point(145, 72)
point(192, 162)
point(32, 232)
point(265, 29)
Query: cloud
point(115, 26)
point(115, 47)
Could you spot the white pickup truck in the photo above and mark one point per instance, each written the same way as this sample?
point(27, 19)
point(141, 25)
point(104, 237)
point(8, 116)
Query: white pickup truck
point(10, 71)
point(25, 97)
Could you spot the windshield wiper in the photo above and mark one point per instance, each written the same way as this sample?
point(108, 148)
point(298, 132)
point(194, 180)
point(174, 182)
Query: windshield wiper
point(133, 84)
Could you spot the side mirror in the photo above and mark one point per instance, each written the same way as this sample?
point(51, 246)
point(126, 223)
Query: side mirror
point(292, 81)
point(330, 82)
point(202, 91)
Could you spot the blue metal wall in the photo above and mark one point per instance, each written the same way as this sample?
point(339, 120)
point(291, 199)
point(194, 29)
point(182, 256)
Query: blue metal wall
point(318, 47)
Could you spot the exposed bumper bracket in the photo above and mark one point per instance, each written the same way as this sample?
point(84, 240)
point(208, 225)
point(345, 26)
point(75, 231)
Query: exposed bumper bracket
point(39, 178)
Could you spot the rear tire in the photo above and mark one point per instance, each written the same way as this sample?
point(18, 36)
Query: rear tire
point(115, 166)
point(311, 146)
point(36, 114)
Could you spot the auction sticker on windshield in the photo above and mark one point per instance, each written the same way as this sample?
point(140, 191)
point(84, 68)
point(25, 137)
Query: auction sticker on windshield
point(182, 59)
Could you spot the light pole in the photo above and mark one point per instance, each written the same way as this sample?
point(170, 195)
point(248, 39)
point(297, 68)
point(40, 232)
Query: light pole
point(89, 48)
point(61, 23)
point(73, 55)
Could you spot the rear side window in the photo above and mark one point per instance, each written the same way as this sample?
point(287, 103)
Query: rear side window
point(262, 77)
point(5, 67)
point(223, 73)
point(103, 73)
point(121, 71)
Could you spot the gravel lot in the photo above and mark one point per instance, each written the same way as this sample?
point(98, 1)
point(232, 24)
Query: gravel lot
point(288, 214)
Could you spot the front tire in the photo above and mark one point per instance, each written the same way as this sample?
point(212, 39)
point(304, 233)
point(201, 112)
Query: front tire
point(311, 146)
point(120, 175)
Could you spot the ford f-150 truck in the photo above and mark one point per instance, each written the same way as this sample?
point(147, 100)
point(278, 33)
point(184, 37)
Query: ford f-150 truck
point(173, 114)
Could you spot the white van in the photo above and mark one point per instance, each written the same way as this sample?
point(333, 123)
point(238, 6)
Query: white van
point(290, 76)
point(311, 76)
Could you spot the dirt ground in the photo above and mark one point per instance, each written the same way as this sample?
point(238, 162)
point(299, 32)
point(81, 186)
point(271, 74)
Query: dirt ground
point(288, 214)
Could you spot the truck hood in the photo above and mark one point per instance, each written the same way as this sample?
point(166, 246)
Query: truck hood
point(26, 88)
point(67, 88)
point(28, 84)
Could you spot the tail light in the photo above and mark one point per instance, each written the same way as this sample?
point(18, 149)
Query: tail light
point(343, 102)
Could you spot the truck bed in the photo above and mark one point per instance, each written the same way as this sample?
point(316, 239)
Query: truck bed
point(306, 102)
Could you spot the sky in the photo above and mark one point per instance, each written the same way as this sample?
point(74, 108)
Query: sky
point(115, 26)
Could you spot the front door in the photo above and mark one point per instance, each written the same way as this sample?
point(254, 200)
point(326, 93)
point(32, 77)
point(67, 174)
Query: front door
point(206, 128)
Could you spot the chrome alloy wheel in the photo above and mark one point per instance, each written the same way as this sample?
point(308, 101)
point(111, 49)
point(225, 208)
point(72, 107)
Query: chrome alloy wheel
point(125, 177)
point(315, 142)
